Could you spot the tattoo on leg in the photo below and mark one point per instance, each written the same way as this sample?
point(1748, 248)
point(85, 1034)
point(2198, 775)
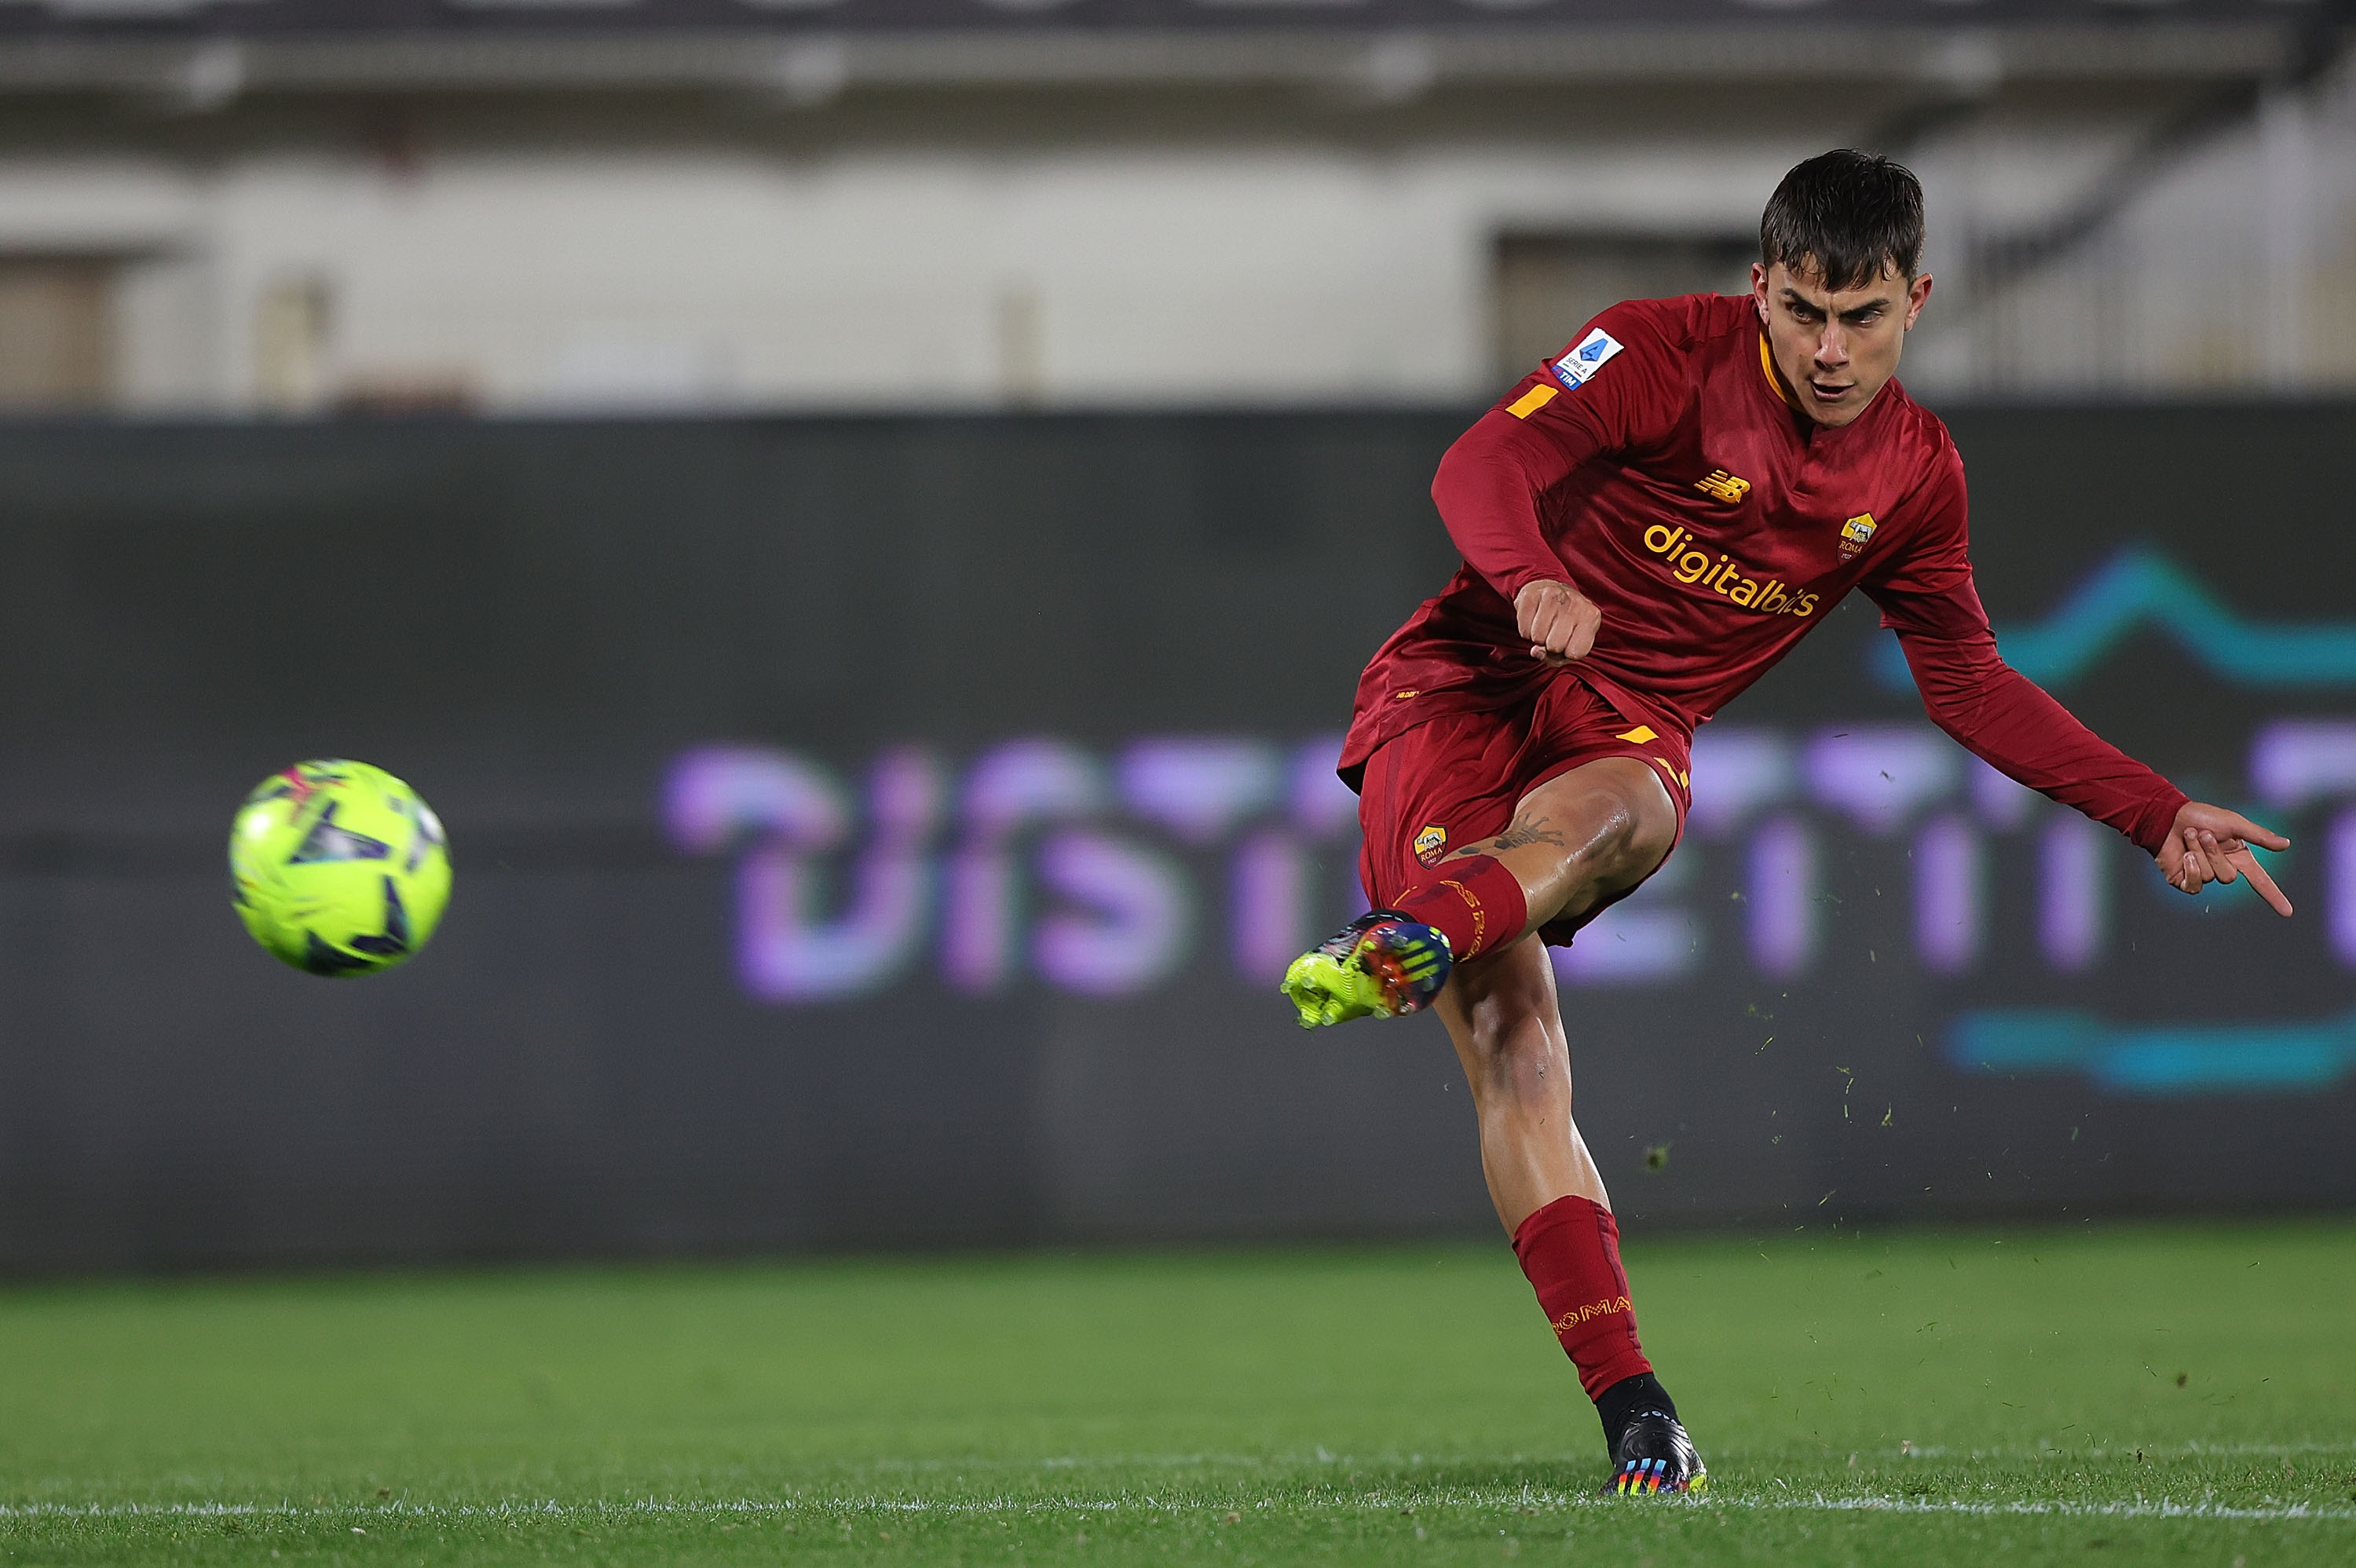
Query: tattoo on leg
point(1537, 831)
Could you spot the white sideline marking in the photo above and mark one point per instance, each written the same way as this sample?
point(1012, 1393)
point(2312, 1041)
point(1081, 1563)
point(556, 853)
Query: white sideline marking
point(2192, 1448)
point(2138, 1507)
point(2141, 1507)
point(2188, 1447)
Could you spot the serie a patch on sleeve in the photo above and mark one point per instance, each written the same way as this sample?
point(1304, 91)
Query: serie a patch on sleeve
point(1586, 357)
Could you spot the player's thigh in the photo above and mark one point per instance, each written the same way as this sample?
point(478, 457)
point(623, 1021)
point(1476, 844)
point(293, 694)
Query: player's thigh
point(1504, 1017)
point(1446, 782)
point(1614, 818)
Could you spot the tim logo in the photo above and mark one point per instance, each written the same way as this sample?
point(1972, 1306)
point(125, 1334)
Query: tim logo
point(1856, 534)
point(1721, 485)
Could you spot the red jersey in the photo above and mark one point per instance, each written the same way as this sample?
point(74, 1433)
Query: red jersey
point(1657, 467)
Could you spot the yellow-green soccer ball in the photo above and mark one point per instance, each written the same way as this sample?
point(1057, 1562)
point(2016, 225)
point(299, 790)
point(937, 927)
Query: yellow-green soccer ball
point(337, 868)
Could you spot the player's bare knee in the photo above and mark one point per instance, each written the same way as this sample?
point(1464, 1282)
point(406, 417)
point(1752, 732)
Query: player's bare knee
point(1649, 833)
point(1612, 819)
point(1623, 847)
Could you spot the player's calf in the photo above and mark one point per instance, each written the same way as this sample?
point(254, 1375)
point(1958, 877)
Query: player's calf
point(1503, 1020)
point(1569, 1250)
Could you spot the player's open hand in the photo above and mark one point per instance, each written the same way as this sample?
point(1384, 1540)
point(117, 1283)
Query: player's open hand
point(2209, 844)
point(1557, 619)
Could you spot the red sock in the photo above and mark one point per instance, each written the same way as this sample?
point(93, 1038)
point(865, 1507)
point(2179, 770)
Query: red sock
point(1474, 902)
point(1570, 1249)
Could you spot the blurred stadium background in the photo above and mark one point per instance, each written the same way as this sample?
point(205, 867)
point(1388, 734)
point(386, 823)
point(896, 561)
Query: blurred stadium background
point(863, 517)
point(238, 206)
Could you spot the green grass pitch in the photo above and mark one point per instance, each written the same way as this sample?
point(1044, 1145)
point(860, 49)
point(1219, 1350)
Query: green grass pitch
point(2147, 1393)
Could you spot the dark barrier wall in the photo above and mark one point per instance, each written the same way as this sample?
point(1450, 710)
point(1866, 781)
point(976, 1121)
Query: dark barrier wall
point(888, 832)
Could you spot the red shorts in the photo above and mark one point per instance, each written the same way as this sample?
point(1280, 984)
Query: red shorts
point(1455, 780)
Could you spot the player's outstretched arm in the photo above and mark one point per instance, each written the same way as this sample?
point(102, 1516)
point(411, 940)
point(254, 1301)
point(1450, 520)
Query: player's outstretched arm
point(2209, 844)
point(1927, 597)
point(2024, 734)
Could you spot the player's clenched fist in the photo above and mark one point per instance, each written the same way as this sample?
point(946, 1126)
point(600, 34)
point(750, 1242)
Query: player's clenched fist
point(1557, 620)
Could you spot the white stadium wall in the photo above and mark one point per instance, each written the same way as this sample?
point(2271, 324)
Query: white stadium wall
point(541, 264)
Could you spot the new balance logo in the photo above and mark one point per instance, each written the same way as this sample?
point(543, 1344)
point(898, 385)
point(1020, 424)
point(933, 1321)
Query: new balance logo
point(1721, 485)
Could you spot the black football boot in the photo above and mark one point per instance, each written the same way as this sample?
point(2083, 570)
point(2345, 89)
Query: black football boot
point(1655, 1456)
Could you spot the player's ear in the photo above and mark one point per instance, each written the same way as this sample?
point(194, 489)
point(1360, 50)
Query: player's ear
point(1918, 293)
point(1759, 290)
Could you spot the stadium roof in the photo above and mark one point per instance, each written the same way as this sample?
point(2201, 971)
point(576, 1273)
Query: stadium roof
point(254, 18)
point(212, 51)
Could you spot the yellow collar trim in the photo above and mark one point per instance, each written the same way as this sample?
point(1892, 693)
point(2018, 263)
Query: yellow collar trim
point(1775, 382)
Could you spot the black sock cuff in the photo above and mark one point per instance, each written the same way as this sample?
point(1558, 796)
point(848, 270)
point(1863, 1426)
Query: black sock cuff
point(1627, 1399)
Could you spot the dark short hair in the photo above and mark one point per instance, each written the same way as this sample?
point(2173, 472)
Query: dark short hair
point(1844, 216)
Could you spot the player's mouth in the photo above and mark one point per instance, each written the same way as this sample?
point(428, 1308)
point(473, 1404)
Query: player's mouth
point(1831, 393)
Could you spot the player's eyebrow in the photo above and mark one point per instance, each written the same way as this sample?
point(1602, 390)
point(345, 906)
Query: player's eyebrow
point(1854, 313)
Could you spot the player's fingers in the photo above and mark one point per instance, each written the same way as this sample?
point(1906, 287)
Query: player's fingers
point(2176, 865)
point(1584, 625)
point(2188, 875)
point(2219, 854)
point(2261, 880)
point(1537, 614)
point(2232, 824)
point(1555, 625)
point(2203, 867)
point(1559, 625)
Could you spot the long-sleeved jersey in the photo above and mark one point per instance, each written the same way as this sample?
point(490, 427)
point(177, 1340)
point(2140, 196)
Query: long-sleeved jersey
point(1658, 468)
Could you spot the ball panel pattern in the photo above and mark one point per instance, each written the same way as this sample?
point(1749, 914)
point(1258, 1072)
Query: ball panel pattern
point(339, 868)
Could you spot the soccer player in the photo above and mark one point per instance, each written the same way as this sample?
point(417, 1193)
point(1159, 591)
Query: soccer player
point(1647, 523)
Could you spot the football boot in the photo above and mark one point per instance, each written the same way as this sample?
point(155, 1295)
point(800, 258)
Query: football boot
point(1382, 965)
point(1655, 1456)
